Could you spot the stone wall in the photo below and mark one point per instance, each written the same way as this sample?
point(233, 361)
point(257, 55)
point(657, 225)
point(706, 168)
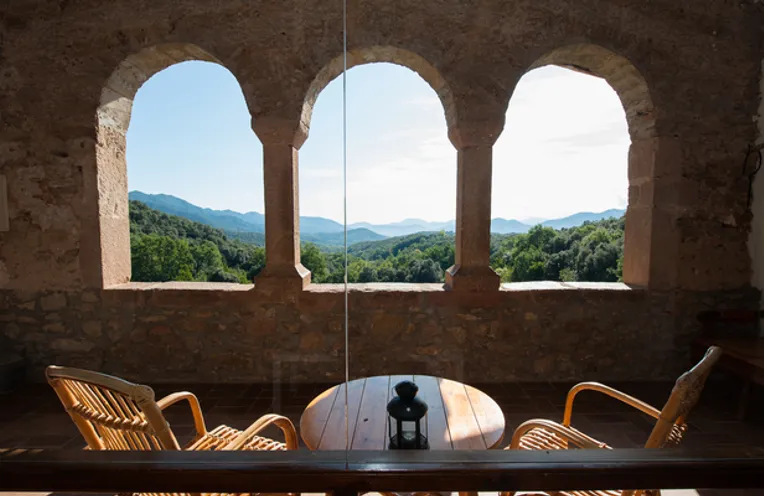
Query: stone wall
point(756, 240)
point(226, 333)
point(687, 73)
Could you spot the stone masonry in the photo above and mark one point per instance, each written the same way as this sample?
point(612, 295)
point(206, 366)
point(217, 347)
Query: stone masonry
point(688, 74)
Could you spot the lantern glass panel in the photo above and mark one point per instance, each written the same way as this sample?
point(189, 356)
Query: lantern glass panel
point(408, 432)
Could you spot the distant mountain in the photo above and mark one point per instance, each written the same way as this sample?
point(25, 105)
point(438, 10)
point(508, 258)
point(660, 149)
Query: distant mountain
point(532, 221)
point(405, 227)
point(319, 225)
point(222, 219)
point(581, 217)
point(228, 219)
point(337, 239)
point(498, 225)
point(504, 226)
point(328, 232)
point(330, 239)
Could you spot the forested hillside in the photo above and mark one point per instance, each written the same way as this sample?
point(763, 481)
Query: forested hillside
point(418, 257)
point(590, 252)
point(169, 248)
point(329, 241)
point(328, 232)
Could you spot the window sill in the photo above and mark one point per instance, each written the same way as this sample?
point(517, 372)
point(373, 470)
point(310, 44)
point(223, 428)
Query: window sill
point(566, 286)
point(376, 287)
point(181, 286)
point(399, 287)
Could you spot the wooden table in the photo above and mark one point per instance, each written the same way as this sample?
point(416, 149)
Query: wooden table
point(460, 417)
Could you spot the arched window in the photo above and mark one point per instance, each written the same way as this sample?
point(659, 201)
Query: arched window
point(180, 141)
point(401, 180)
point(560, 180)
point(191, 153)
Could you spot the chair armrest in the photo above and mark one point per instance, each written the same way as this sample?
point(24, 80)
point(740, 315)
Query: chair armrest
point(613, 393)
point(570, 434)
point(193, 403)
point(283, 423)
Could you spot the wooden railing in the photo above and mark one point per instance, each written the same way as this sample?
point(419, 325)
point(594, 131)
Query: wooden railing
point(359, 472)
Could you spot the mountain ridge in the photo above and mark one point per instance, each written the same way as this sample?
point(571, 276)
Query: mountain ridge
point(320, 229)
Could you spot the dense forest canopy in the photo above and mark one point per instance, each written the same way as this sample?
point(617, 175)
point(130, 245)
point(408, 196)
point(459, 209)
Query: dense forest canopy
point(170, 248)
point(590, 252)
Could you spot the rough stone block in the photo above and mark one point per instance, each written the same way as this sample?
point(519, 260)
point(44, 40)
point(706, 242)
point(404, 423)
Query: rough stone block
point(51, 302)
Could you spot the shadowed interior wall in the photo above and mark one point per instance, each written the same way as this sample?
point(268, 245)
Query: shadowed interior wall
point(756, 241)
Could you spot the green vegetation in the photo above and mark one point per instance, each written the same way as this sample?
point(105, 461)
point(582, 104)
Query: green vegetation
point(590, 252)
point(169, 248)
point(421, 257)
point(330, 241)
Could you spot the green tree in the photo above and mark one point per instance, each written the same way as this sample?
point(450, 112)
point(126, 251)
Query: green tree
point(619, 267)
point(567, 275)
point(313, 260)
point(426, 270)
point(207, 260)
point(222, 275)
point(505, 273)
point(367, 274)
point(213, 255)
point(528, 264)
point(161, 258)
point(254, 263)
point(599, 264)
point(167, 247)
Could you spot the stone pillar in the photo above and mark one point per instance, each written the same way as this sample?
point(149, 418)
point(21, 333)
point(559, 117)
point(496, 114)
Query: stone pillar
point(474, 144)
point(651, 240)
point(283, 270)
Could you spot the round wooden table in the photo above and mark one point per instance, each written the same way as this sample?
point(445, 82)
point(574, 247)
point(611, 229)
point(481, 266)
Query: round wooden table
point(460, 417)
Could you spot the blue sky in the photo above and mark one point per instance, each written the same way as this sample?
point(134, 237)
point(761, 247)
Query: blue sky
point(563, 150)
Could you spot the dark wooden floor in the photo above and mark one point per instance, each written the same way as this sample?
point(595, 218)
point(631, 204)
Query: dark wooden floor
point(32, 417)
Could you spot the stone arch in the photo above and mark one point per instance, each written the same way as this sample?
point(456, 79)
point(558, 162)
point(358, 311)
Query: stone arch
point(106, 190)
point(373, 54)
point(120, 89)
point(620, 74)
point(640, 263)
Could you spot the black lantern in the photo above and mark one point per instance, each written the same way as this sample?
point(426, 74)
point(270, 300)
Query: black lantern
point(405, 414)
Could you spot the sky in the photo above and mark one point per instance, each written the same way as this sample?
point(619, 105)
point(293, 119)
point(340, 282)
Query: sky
point(563, 149)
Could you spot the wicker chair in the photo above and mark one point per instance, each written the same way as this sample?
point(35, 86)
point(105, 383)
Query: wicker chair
point(670, 426)
point(113, 414)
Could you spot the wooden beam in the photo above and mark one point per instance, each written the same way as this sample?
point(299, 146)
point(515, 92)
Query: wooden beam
point(358, 471)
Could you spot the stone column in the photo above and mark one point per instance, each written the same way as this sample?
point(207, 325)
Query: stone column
point(656, 189)
point(283, 270)
point(474, 144)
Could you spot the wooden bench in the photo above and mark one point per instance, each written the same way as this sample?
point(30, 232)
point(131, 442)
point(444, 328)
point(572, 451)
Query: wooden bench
point(736, 332)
